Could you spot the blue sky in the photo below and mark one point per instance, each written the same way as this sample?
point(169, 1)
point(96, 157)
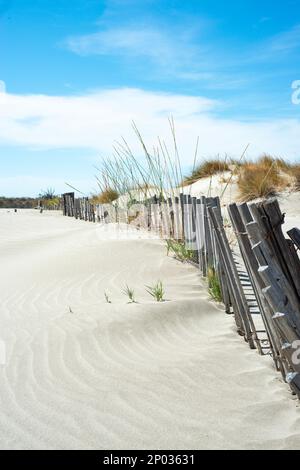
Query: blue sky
point(74, 74)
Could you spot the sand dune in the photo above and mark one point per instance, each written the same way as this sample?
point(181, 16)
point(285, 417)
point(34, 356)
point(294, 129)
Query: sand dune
point(84, 374)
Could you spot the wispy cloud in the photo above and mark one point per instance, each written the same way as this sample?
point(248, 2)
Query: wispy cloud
point(131, 41)
point(169, 44)
point(95, 120)
point(276, 48)
point(286, 41)
point(190, 50)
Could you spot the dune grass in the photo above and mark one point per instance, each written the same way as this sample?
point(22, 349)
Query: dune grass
point(296, 175)
point(214, 286)
point(155, 172)
point(157, 291)
point(179, 250)
point(261, 179)
point(129, 292)
point(159, 172)
point(106, 196)
point(206, 169)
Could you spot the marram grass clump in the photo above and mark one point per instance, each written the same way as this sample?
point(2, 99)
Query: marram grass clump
point(179, 250)
point(296, 175)
point(214, 286)
point(206, 169)
point(129, 292)
point(157, 291)
point(106, 196)
point(260, 179)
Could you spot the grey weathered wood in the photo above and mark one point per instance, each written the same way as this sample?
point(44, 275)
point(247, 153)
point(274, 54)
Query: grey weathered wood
point(280, 301)
point(231, 283)
point(177, 219)
point(208, 238)
point(200, 234)
point(294, 235)
point(232, 276)
point(218, 261)
point(294, 382)
point(278, 277)
point(252, 266)
point(181, 205)
point(245, 213)
point(270, 219)
point(165, 220)
point(188, 223)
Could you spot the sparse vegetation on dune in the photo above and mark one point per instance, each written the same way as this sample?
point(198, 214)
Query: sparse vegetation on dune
point(255, 179)
point(106, 196)
point(214, 286)
point(266, 177)
point(159, 173)
point(206, 169)
point(179, 250)
point(296, 175)
point(259, 179)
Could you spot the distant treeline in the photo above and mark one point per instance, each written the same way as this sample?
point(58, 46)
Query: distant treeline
point(18, 202)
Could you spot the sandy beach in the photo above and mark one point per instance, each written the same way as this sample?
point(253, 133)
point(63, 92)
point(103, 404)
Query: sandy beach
point(84, 374)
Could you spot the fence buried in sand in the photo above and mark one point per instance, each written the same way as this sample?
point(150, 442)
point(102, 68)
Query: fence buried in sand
point(259, 280)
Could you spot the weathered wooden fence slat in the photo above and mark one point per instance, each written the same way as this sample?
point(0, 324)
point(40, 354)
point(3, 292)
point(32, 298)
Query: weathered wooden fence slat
point(294, 235)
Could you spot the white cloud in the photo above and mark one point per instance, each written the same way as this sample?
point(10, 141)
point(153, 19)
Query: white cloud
point(95, 120)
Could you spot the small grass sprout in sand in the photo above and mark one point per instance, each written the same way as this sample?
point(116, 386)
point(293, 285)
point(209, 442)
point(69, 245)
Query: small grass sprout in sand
point(157, 291)
point(214, 286)
point(107, 299)
point(130, 294)
point(180, 251)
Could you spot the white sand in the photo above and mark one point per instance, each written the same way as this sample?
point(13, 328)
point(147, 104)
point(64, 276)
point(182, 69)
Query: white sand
point(172, 376)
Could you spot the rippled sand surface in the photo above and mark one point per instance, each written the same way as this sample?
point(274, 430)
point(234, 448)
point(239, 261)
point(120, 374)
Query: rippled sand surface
point(84, 374)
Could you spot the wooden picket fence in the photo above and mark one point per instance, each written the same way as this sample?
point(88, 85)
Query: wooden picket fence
point(80, 208)
point(257, 267)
